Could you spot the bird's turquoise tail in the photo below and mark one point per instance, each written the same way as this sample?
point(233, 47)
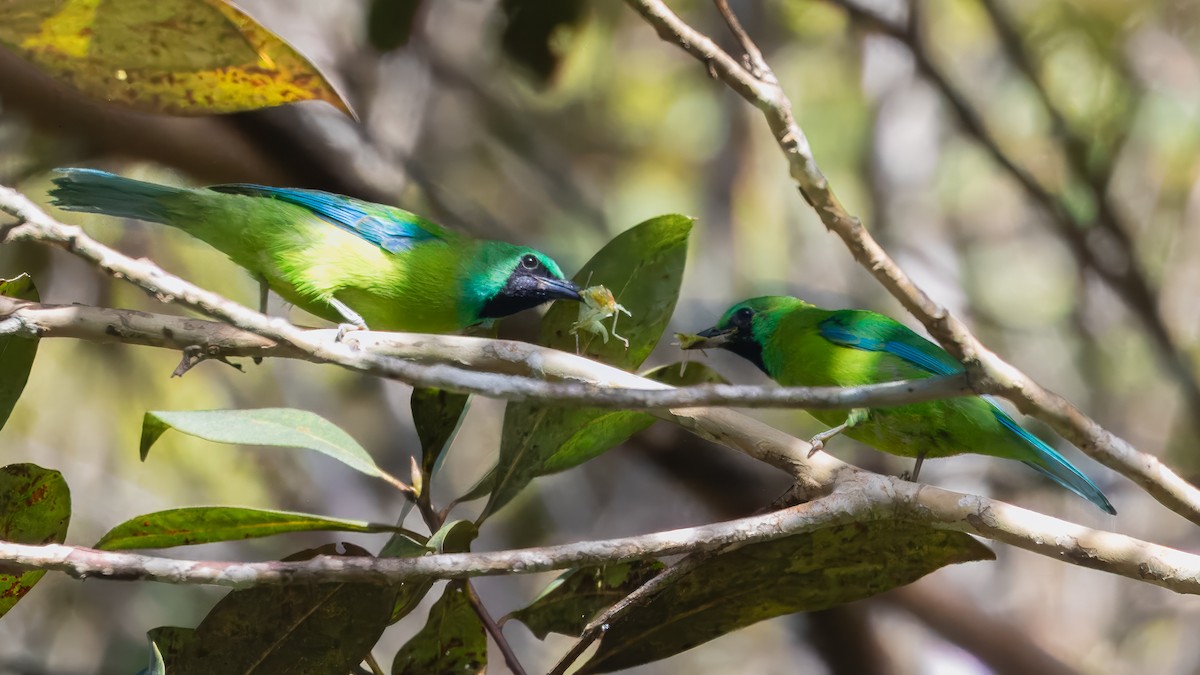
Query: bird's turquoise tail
point(93, 191)
point(1056, 467)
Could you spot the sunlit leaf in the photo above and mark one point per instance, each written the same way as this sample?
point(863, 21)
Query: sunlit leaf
point(205, 524)
point(35, 508)
point(801, 573)
point(185, 57)
point(295, 628)
point(575, 597)
point(643, 267)
point(452, 640)
point(16, 353)
point(279, 427)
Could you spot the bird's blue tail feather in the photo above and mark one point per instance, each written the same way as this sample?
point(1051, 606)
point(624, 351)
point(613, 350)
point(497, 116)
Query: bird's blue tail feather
point(1055, 467)
point(94, 191)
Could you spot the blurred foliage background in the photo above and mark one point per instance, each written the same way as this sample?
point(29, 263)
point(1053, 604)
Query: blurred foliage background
point(561, 124)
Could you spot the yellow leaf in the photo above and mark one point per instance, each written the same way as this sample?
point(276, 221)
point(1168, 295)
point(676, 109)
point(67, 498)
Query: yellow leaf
point(184, 57)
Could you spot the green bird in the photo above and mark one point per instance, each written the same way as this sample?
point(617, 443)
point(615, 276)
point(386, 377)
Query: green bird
point(798, 344)
point(342, 259)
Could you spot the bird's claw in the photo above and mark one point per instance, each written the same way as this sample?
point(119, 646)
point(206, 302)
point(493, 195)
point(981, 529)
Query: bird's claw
point(344, 328)
point(817, 446)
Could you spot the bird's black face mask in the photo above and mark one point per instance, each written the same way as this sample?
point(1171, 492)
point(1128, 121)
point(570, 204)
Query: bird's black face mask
point(529, 285)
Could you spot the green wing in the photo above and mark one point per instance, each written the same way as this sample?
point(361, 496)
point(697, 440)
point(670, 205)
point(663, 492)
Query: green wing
point(874, 332)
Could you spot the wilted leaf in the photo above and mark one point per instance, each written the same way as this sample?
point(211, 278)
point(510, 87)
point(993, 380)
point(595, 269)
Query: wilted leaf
point(452, 640)
point(205, 524)
point(296, 629)
point(35, 508)
point(801, 573)
point(184, 57)
point(537, 33)
point(643, 267)
point(16, 353)
point(570, 601)
point(279, 427)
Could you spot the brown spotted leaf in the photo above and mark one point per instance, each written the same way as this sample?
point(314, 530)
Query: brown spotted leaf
point(182, 57)
point(35, 508)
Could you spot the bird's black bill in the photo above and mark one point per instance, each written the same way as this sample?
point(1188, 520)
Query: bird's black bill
point(524, 291)
point(559, 289)
point(713, 338)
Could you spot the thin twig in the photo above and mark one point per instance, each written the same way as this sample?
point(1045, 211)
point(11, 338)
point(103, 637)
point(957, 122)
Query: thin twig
point(987, 372)
point(497, 633)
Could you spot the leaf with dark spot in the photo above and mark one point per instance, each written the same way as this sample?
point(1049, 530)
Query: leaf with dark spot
point(575, 597)
point(181, 57)
point(452, 640)
point(35, 508)
point(800, 573)
point(299, 629)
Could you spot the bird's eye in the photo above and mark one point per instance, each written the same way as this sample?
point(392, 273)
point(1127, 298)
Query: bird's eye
point(742, 316)
point(529, 262)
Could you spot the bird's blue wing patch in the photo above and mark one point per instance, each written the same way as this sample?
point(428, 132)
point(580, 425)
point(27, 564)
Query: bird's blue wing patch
point(394, 230)
point(876, 333)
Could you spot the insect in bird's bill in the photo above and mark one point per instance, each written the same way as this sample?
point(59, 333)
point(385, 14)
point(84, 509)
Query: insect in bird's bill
point(798, 344)
point(350, 261)
point(598, 304)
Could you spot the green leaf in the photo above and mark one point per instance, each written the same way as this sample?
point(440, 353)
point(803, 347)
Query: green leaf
point(537, 33)
point(453, 537)
point(452, 640)
point(279, 427)
point(597, 430)
point(801, 573)
point(643, 267)
point(390, 23)
point(205, 524)
point(297, 628)
point(181, 57)
point(35, 508)
point(575, 597)
point(16, 353)
point(171, 641)
point(685, 374)
point(437, 414)
point(408, 593)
